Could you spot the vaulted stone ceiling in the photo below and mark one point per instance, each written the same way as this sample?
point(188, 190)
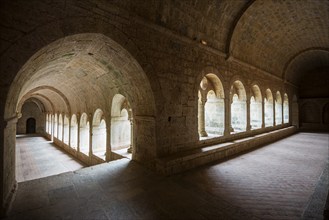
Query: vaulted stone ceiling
point(285, 38)
point(270, 35)
point(81, 73)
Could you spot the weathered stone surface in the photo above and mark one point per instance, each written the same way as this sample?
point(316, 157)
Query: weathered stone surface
point(75, 56)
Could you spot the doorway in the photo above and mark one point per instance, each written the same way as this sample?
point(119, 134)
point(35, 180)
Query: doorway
point(30, 126)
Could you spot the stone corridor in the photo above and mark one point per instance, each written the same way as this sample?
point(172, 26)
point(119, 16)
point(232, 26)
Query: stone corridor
point(36, 157)
point(284, 180)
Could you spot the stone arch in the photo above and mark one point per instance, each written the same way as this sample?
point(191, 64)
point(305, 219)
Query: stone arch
point(19, 72)
point(238, 99)
point(84, 134)
point(55, 126)
point(99, 135)
point(66, 130)
point(107, 29)
point(256, 107)
point(74, 132)
point(51, 124)
point(228, 46)
point(35, 93)
point(286, 108)
point(122, 125)
point(211, 111)
point(47, 123)
point(237, 86)
point(60, 127)
point(286, 72)
point(268, 108)
point(278, 108)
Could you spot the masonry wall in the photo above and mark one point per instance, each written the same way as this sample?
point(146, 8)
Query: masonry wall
point(169, 52)
point(314, 101)
point(31, 110)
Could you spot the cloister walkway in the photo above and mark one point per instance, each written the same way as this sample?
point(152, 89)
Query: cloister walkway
point(287, 179)
point(36, 157)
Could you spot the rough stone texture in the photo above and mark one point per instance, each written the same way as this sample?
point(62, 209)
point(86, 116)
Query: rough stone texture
point(273, 182)
point(31, 110)
point(74, 56)
point(294, 25)
point(193, 158)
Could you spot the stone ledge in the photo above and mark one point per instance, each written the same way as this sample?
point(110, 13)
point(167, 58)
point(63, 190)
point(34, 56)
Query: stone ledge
point(186, 160)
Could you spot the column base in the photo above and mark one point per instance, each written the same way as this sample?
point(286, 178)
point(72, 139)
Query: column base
point(203, 134)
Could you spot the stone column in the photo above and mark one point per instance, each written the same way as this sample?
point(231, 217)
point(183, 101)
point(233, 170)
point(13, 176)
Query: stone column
point(63, 116)
point(227, 129)
point(52, 127)
point(274, 116)
point(78, 131)
point(263, 113)
point(70, 118)
point(201, 118)
point(282, 110)
point(108, 141)
point(248, 128)
point(90, 136)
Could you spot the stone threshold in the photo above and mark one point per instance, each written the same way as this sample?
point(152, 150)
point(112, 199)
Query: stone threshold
point(186, 160)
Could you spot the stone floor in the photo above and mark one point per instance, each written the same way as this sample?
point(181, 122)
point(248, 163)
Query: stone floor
point(36, 157)
point(284, 180)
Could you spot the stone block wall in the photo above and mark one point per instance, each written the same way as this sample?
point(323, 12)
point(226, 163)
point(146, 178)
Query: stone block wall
point(75, 56)
point(31, 110)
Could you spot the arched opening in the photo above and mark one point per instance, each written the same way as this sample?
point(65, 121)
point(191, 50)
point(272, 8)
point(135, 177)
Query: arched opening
point(268, 108)
point(84, 134)
point(99, 135)
point(74, 132)
point(60, 127)
point(66, 130)
point(238, 107)
point(47, 123)
point(285, 109)
point(81, 58)
point(121, 126)
point(51, 124)
point(278, 108)
point(30, 126)
point(256, 108)
point(211, 110)
point(55, 126)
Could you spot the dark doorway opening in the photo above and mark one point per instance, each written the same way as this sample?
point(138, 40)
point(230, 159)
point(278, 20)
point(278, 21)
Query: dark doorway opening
point(30, 126)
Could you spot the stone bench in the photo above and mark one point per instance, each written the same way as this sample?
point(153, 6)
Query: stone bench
point(186, 160)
